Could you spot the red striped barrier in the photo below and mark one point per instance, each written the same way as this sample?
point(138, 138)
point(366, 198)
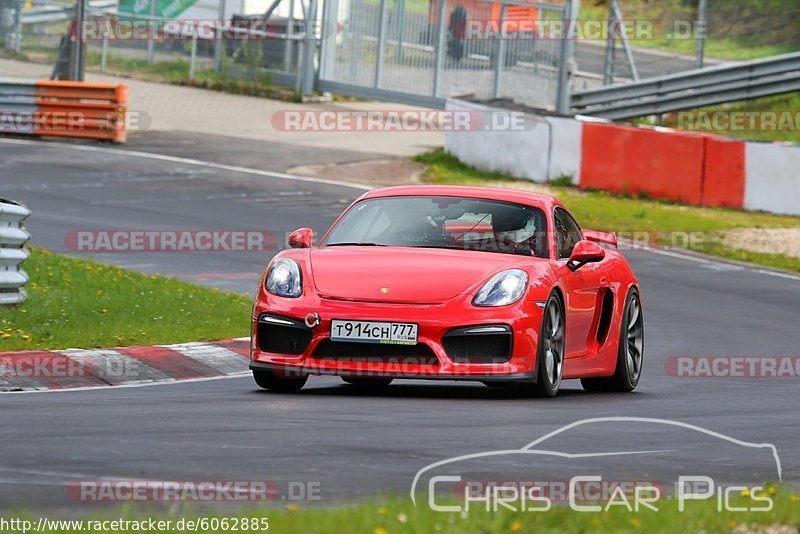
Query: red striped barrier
point(72, 368)
point(169, 361)
point(694, 168)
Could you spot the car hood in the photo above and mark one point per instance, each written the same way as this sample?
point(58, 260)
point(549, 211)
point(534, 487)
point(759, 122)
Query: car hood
point(403, 275)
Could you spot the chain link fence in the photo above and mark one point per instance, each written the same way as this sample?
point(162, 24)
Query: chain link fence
point(390, 48)
point(207, 39)
point(11, 24)
point(395, 45)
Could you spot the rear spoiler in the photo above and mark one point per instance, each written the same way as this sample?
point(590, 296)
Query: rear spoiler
point(601, 237)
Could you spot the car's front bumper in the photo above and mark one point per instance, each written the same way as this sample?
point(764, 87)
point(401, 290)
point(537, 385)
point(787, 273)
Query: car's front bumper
point(315, 353)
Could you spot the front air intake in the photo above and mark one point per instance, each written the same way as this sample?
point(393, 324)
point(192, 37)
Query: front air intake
point(282, 335)
point(479, 344)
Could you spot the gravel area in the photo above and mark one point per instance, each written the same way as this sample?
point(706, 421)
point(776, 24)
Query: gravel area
point(391, 171)
point(784, 241)
point(377, 172)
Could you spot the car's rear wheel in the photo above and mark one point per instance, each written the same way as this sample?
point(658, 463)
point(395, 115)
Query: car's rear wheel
point(272, 381)
point(550, 354)
point(367, 382)
point(631, 350)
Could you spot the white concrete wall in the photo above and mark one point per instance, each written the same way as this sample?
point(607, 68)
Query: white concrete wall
point(772, 178)
point(565, 148)
point(547, 148)
point(551, 147)
point(519, 153)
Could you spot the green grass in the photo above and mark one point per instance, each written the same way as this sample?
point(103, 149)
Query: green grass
point(742, 45)
point(84, 304)
point(781, 103)
point(739, 49)
point(176, 72)
point(665, 222)
point(399, 516)
point(239, 79)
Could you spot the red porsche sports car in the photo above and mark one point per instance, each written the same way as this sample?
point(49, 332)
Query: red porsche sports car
point(454, 283)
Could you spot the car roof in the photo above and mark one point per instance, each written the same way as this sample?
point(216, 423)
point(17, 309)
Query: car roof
point(489, 193)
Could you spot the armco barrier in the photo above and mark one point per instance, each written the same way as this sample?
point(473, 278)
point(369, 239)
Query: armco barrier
point(12, 252)
point(702, 169)
point(64, 109)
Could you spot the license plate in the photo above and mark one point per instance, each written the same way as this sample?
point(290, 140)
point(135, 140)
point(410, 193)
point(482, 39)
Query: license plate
point(374, 332)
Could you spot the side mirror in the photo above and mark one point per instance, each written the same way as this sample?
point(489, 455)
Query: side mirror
point(583, 253)
point(301, 238)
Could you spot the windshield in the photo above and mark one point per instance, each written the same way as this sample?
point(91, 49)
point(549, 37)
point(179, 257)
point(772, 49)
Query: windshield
point(443, 222)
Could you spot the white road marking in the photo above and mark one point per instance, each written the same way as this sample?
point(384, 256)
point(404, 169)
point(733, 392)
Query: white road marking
point(710, 262)
point(352, 185)
point(190, 161)
point(169, 382)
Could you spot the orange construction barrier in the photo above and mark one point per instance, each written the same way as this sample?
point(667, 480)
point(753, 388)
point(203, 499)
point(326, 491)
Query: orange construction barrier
point(81, 110)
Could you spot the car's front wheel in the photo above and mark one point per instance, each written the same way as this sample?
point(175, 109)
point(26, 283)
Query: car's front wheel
point(631, 351)
point(550, 355)
point(272, 381)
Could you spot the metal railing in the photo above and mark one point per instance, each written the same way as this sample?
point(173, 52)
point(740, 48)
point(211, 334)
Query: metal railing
point(13, 237)
point(692, 89)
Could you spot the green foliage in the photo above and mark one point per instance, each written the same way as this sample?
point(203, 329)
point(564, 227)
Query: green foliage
point(785, 106)
point(737, 29)
point(397, 515)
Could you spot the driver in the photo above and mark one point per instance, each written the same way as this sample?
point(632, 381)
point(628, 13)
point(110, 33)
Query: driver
point(515, 231)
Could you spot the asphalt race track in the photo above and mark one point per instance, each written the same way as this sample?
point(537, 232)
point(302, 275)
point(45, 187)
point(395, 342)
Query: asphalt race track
point(359, 444)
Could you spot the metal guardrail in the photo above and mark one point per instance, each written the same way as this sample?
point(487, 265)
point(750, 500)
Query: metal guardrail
point(13, 237)
point(692, 89)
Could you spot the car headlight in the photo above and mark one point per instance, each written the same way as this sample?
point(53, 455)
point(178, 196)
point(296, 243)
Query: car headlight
point(284, 279)
point(503, 288)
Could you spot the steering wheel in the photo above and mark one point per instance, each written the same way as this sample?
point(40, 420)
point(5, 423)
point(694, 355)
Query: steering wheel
point(527, 241)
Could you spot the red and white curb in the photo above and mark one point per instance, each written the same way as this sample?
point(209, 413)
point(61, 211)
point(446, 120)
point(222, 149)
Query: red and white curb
point(84, 368)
